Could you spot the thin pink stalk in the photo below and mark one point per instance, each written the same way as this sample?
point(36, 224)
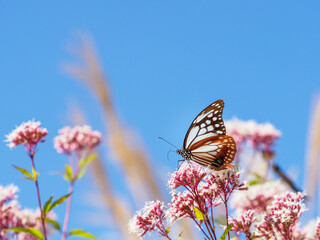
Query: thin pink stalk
point(38, 195)
point(67, 214)
point(68, 207)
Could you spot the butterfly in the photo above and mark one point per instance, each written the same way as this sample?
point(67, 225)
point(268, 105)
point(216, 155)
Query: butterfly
point(206, 141)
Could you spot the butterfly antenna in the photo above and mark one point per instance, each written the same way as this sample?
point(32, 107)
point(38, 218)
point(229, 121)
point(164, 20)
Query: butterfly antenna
point(168, 142)
point(170, 151)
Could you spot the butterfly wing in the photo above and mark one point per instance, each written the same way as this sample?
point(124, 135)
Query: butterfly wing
point(207, 124)
point(216, 152)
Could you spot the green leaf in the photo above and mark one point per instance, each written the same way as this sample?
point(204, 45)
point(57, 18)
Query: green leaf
point(253, 182)
point(86, 161)
point(36, 233)
point(82, 172)
point(47, 205)
point(58, 202)
point(17, 229)
point(24, 171)
point(81, 233)
point(168, 230)
point(34, 174)
point(83, 165)
point(54, 223)
point(199, 214)
point(68, 174)
point(224, 235)
point(28, 178)
point(31, 231)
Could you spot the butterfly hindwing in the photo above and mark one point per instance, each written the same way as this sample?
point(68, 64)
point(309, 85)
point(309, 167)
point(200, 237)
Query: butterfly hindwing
point(216, 152)
point(208, 123)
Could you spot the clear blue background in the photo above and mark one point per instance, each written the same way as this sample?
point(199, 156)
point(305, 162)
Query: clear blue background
point(166, 61)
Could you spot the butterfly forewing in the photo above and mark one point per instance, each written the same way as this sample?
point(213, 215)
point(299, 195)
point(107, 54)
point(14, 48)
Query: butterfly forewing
point(207, 124)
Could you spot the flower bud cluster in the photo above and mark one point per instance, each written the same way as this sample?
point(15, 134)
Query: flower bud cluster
point(243, 223)
point(28, 134)
point(12, 215)
point(282, 215)
point(148, 219)
point(259, 136)
point(76, 139)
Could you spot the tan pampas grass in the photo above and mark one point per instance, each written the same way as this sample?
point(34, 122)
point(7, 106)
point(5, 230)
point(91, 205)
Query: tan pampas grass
point(124, 144)
point(312, 179)
point(118, 208)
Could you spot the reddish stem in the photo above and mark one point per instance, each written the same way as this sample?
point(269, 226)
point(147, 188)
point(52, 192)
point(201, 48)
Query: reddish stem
point(38, 195)
point(227, 216)
point(199, 226)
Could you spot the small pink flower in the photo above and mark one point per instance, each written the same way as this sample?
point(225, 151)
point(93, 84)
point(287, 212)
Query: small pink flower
point(28, 134)
point(318, 228)
point(8, 193)
point(243, 223)
point(258, 197)
point(76, 139)
point(148, 219)
point(181, 206)
point(226, 181)
point(12, 215)
point(260, 136)
point(282, 216)
point(188, 175)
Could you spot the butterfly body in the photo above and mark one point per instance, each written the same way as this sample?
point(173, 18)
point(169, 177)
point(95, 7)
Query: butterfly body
point(206, 141)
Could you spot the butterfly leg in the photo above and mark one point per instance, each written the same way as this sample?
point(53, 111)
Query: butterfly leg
point(180, 163)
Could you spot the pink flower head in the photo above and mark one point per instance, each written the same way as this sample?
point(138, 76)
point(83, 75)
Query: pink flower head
point(258, 197)
point(243, 223)
point(8, 193)
point(282, 215)
point(76, 139)
point(148, 219)
point(181, 206)
point(259, 136)
point(28, 134)
point(12, 215)
point(188, 175)
point(226, 181)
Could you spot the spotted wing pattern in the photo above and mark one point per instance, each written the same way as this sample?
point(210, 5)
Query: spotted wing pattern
point(206, 142)
point(207, 124)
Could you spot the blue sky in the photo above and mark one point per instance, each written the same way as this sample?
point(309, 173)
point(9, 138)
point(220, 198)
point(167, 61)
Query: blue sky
point(166, 61)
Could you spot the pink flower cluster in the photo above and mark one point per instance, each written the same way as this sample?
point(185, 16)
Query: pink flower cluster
point(282, 216)
point(12, 215)
point(225, 182)
point(203, 190)
point(76, 139)
point(150, 218)
point(28, 134)
point(259, 136)
point(189, 175)
point(243, 223)
point(258, 197)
